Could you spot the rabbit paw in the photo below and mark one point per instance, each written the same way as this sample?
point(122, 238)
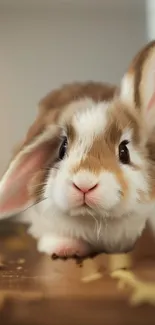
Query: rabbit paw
point(63, 247)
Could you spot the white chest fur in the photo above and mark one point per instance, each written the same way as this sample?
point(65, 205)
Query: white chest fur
point(105, 234)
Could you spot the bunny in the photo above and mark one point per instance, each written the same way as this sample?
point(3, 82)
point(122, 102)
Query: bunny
point(85, 172)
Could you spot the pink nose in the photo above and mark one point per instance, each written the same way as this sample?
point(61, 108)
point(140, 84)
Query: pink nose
point(85, 189)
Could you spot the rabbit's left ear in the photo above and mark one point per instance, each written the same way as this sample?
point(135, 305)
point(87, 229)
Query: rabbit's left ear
point(138, 84)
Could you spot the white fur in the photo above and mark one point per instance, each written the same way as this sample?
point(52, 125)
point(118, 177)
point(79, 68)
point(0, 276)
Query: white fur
point(108, 191)
point(127, 135)
point(109, 222)
point(127, 89)
point(91, 121)
point(63, 245)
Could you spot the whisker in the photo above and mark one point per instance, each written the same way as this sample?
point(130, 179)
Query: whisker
point(99, 230)
point(35, 203)
point(48, 168)
point(96, 222)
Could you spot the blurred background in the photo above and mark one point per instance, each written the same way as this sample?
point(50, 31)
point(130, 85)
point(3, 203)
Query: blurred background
point(44, 43)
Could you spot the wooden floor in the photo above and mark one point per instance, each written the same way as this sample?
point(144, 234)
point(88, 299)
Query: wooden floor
point(35, 290)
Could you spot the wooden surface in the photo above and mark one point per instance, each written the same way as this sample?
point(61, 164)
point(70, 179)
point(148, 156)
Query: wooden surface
point(35, 290)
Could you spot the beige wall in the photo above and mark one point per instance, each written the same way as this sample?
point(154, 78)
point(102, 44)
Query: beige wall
point(40, 49)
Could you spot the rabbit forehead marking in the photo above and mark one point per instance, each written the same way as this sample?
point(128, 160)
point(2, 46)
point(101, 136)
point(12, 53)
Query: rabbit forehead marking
point(87, 124)
point(91, 120)
point(90, 146)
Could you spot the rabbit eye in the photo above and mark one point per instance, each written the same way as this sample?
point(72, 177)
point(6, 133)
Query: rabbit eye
point(124, 155)
point(63, 148)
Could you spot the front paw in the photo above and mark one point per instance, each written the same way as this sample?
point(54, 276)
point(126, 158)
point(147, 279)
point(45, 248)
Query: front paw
point(63, 247)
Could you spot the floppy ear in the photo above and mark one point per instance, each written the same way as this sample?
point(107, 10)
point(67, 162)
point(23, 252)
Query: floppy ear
point(34, 155)
point(138, 84)
point(15, 186)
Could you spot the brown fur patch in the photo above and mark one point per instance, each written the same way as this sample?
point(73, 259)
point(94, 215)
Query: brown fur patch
point(102, 157)
point(120, 118)
point(51, 106)
point(71, 92)
point(71, 134)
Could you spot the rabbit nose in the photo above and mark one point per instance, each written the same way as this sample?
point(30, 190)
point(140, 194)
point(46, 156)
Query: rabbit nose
point(85, 189)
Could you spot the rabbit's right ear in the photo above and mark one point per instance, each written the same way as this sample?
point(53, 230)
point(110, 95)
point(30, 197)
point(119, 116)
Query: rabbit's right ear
point(32, 157)
point(15, 186)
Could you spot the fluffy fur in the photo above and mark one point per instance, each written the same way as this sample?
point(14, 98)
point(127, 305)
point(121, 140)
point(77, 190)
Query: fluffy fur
point(117, 208)
point(90, 200)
